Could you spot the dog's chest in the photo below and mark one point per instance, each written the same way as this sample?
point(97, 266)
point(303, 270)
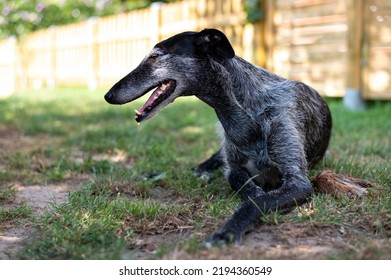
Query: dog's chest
point(252, 168)
point(242, 146)
point(267, 176)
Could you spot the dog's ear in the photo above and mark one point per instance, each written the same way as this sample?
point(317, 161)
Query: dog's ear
point(214, 43)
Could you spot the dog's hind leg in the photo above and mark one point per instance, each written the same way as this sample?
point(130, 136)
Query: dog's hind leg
point(213, 163)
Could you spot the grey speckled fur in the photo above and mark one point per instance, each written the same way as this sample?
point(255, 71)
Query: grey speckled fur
point(272, 129)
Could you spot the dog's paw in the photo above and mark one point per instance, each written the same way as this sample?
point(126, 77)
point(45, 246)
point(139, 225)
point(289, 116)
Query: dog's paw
point(222, 237)
point(203, 175)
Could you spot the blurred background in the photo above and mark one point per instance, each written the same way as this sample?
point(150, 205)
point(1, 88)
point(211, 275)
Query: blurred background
point(333, 45)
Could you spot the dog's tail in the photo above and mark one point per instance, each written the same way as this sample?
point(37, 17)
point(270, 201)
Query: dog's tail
point(335, 184)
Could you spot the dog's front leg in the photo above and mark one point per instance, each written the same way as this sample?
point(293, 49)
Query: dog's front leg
point(232, 231)
point(295, 190)
point(212, 163)
point(243, 184)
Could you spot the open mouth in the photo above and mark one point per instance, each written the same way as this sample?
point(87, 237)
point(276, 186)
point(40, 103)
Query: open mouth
point(160, 94)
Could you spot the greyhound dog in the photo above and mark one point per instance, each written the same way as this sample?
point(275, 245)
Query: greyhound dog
point(272, 129)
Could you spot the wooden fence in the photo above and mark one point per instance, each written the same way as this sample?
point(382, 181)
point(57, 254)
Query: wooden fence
point(96, 53)
point(8, 62)
point(328, 44)
point(333, 44)
point(310, 43)
point(376, 49)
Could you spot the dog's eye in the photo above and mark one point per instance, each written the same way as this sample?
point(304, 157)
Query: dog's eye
point(155, 55)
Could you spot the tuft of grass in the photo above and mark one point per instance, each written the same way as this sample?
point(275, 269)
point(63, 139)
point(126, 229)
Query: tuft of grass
point(3, 175)
point(18, 160)
point(7, 195)
point(84, 228)
point(16, 213)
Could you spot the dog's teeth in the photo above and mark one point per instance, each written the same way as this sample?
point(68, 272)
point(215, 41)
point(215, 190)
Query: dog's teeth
point(163, 86)
point(138, 113)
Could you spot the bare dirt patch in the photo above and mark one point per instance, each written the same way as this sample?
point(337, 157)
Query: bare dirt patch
point(12, 140)
point(294, 241)
point(285, 241)
point(12, 240)
point(14, 237)
point(40, 197)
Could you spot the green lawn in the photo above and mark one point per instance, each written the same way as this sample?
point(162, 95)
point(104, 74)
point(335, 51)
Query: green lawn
point(122, 211)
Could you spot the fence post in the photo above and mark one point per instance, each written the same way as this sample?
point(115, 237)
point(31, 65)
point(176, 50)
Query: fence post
point(268, 32)
point(21, 65)
point(248, 42)
point(353, 93)
point(9, 76)
point(14, 61)
point(156, 35)
point(260, 44)
point(92, 80)
point(51, 80)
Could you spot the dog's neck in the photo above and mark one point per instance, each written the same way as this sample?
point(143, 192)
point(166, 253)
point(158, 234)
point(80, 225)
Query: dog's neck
point(238, 97)
point(244, 96)
point(252, 85)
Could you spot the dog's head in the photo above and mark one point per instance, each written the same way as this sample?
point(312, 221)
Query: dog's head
point(175, 67)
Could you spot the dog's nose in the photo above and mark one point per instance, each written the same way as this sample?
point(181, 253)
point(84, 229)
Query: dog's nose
point(109, 97)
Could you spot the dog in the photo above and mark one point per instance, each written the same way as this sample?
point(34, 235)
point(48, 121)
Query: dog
point(273, 130)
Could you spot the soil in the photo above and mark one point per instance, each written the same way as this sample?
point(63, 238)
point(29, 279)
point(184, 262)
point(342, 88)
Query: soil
point(284, 241)
point(14, 236)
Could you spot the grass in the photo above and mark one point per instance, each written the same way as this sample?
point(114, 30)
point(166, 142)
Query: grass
point(122, 211)
point(7, 194)
point(11, 214)
point(14, 213)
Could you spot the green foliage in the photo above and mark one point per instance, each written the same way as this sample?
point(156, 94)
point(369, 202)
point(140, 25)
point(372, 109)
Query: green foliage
point(21, 17)
point(254, 10)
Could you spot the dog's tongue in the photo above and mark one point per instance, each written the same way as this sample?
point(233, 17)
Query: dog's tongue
point(155, 95)
point(150, 101)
